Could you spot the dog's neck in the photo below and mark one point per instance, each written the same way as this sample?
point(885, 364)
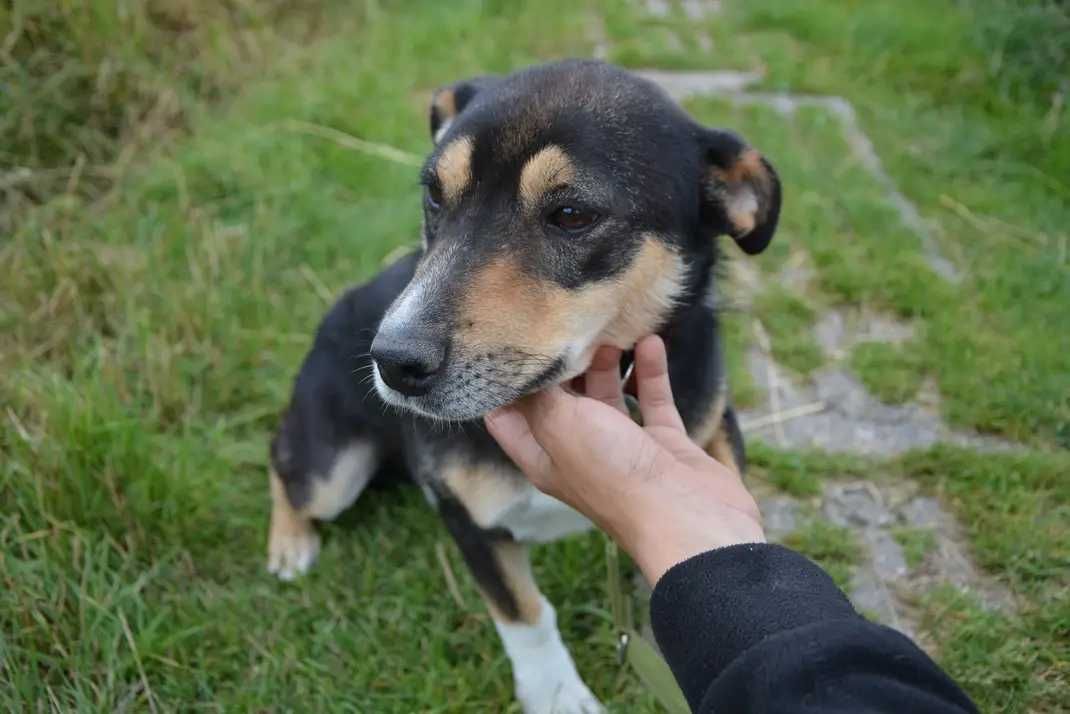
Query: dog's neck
point(692, 343)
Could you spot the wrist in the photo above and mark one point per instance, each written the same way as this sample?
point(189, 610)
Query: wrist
point(668, 533)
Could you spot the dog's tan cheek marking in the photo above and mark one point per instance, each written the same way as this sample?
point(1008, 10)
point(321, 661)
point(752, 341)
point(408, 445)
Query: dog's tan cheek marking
point(548, 168)
point(454, 167)
point(515, 568)
point(661, 271)
point(508, 308)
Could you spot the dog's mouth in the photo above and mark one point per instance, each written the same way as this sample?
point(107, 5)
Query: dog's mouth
point(472, 386)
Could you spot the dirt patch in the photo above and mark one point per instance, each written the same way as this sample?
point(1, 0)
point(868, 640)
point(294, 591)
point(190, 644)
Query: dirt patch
point(838, 330)
point(835, 412)
point(693, 9)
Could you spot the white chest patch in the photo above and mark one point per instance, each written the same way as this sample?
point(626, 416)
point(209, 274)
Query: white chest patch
point(498, 496)
point(535, 517)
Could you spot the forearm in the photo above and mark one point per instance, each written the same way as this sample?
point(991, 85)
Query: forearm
point(759, 627)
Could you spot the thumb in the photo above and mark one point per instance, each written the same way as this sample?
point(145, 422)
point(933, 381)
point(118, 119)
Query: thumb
point(551, 415)
point(509, 427)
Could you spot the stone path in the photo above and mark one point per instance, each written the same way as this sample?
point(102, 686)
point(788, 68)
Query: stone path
point(884, 585)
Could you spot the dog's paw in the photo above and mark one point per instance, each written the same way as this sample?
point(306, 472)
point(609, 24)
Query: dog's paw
point(291, 552)
point(570, 696)
point(551, 685)
point(545, 677)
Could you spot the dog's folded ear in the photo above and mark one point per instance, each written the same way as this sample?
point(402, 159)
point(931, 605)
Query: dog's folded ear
point(449, 101)
point(740, 190)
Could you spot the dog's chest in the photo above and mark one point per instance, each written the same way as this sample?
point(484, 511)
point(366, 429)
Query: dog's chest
point(538, 518)
point(498, 496)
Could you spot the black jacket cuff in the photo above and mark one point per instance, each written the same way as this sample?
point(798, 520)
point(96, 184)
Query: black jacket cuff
point(734, 598)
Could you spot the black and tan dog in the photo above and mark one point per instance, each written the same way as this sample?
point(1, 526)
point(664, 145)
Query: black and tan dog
point(566, 206)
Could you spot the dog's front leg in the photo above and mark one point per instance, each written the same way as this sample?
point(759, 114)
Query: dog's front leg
point(545, 677)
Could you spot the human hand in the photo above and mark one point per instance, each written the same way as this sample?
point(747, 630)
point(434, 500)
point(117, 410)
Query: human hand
point(655, 492)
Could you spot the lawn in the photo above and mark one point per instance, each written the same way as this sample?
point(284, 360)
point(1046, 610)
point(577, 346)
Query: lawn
point(170, 231)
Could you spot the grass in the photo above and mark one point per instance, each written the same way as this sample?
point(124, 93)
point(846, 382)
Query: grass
point(800, 473)
point(832, 547)
point(737, 328)
point(916, 543)
point(789, 320)
point(150, 337)
point(981, 152)
point(1006, 663)
point(90, 85)
point(893, 373)
point(168, 242)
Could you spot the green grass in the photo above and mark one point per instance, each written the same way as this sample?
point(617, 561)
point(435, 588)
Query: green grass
point(916, 543)
point(169, 242)
point(832, 547)
point(893, 373)
point(90, 85)
point(1017, 663)
point(149, 344)
point(982, 152)
point(737, 328)
point(1015, 510)
point(800, 473)
point(789, 321)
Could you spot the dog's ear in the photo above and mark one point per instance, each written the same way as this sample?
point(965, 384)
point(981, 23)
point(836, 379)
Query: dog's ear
point(449, 101)
point(740, 190)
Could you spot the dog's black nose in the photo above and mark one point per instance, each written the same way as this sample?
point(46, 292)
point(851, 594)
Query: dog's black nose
point(408, 366)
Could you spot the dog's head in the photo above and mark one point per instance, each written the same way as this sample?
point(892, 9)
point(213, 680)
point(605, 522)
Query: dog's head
point(565, 206)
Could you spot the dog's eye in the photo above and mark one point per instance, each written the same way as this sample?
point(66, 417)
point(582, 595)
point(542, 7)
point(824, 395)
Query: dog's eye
point(572, 219)
point(433, 196)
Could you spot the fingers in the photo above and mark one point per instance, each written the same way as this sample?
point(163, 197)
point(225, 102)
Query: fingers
point(509, 427)
point(652, 383)
point(603, 378)
point(551, 416)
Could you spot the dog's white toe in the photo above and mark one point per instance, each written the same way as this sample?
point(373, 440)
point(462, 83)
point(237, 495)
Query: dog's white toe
point(546, 679)
point(292, 554)
point(568, 697)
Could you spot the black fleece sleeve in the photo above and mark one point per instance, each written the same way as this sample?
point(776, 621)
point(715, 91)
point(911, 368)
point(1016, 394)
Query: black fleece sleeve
point(759, 628)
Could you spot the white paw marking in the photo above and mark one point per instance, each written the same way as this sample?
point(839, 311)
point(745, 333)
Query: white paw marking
point(545, 677)
point(292, 554)
point(571, 697)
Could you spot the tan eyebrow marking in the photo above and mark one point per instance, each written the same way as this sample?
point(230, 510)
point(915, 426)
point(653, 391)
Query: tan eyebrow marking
point(550, 167)
point(454, 167)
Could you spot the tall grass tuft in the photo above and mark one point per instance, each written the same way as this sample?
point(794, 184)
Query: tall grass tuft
point(86, 85)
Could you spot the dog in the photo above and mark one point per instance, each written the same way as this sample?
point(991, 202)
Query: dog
point(566, 206)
